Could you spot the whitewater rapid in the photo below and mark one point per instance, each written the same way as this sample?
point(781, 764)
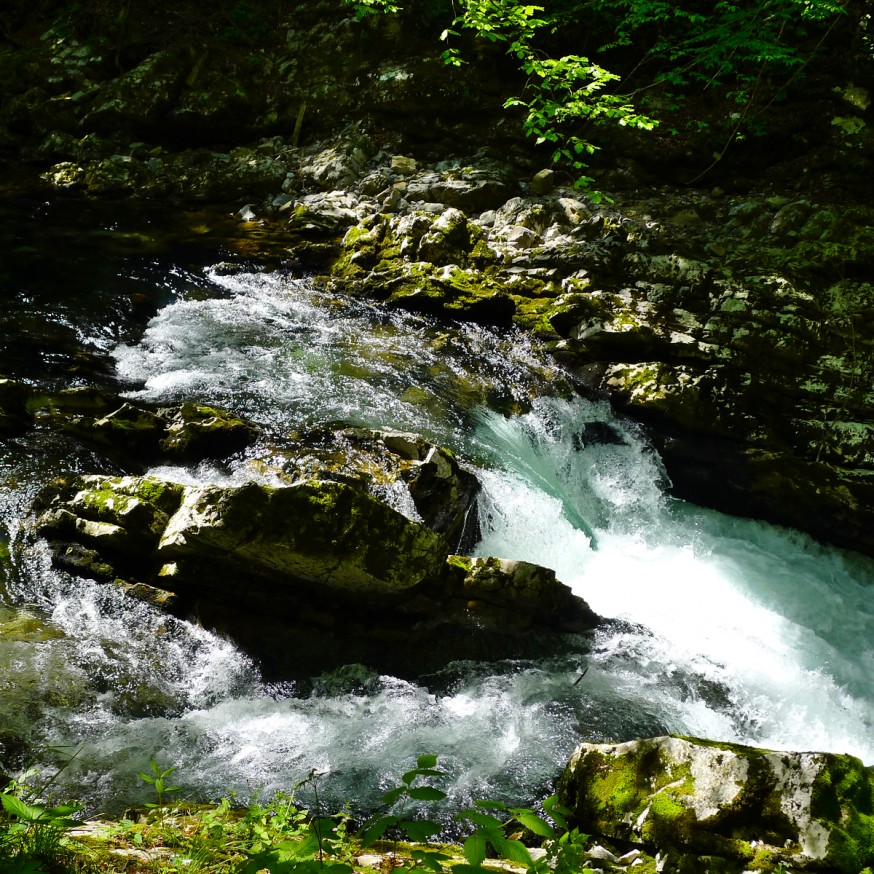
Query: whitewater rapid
point(725, 628)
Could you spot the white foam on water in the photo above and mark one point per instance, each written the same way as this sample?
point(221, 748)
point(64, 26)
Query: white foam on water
point(748, 610)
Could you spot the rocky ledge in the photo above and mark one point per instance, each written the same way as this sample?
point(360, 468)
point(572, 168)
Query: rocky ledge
point(734, 321)
point(736, 326)
point(328, 531)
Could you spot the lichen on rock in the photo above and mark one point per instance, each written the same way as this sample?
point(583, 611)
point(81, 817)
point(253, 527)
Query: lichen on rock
point(755, 808)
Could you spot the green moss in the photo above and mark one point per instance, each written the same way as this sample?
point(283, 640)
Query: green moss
point(535, 315)
point(481, 255)
point(163, 495)
point(103, 503)
point(843, 794)
point(461, 562)
point(24, 627)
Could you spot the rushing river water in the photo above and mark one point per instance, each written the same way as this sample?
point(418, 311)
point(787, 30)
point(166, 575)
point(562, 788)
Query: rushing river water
point(730, 628)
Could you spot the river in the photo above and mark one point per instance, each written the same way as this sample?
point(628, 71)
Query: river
point(724, 627)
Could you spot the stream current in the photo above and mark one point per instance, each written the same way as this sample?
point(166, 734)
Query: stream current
point(726, 628)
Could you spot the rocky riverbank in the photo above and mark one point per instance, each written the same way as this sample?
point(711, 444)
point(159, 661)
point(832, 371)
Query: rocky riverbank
point(731, 316)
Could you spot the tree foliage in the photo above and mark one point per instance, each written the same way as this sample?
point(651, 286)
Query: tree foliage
point(668, 48)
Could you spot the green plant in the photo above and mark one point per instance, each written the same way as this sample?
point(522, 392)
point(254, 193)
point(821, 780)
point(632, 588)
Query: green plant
point(32, 834)
point(363, 8)
point(287, 839)
point(156, 779)
point(563, 847)
point(562, 95)
point(746, 51)
point(402, 794)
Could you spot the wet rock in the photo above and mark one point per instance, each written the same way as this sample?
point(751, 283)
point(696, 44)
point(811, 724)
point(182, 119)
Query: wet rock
point(325, 535)
point(109, 527)
point(421, 480)
point(450, 291)
point(751, 808)
point(319, 556)
point(137, 434)
point(518, 595)
point(198, 431)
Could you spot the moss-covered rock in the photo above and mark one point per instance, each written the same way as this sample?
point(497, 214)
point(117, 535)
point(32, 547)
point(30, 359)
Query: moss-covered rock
point(450, 291)
point(518, 595)
point(755, 808)
point(323, 534)
point(136, 433)
point(406, 471)
point(200, 431)
point(316, 556)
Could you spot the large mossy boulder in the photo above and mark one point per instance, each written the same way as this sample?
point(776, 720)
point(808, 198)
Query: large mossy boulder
point(325, 534)
point(284, 570)
point(519, 596)
point(205, 540)
point(753, 808)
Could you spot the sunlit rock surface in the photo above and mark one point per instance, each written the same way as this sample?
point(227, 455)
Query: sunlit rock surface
point(754, 808)
point(319, 553)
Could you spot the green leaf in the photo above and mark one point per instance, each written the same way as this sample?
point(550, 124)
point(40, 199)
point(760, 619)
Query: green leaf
point(377, 829)
point(481, 819)
point(513, 851)
point(16, 807)
point(426, 761)
point(62, 810)
point(475, 849)
point(392, 795)
point(490, 804)
point(426, 793)
point(420, 829)
point(556, 811)
point(309, 846)
point(420, 772)
point(535, 824)
point(431, 861)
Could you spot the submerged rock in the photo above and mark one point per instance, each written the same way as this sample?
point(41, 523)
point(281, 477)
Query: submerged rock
point(751, 808)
